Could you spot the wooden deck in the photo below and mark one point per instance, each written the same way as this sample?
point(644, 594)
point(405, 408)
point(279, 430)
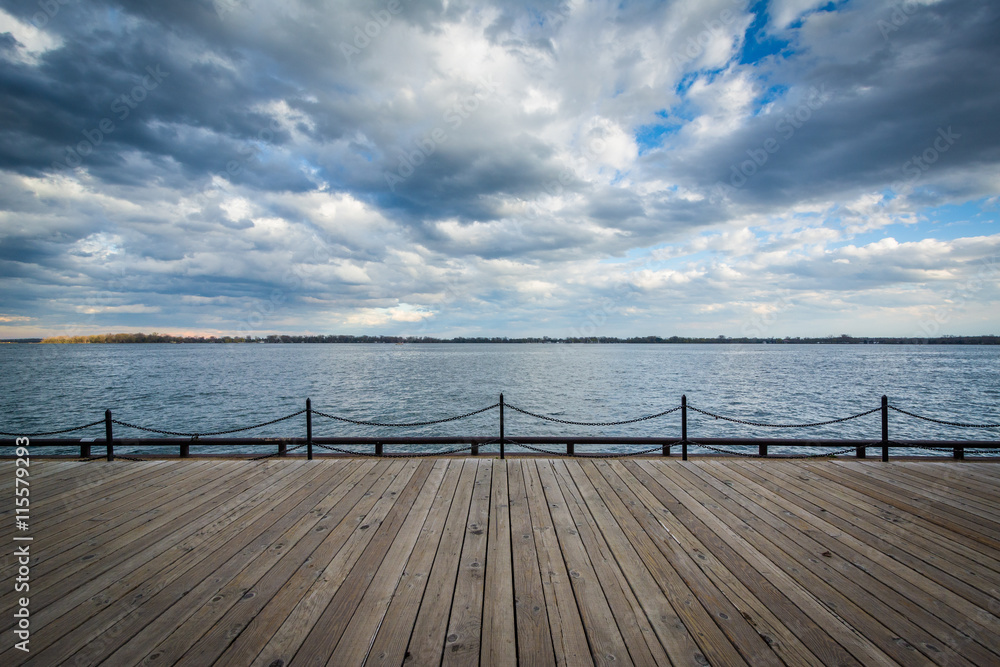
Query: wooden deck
point(525, 561)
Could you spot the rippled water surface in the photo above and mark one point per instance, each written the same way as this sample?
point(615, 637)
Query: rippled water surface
point(202, 388)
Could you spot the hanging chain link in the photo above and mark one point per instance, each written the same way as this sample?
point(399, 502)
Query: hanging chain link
point(575, 423)
point(198, 435)
point(941, 421)
point(751, 455)
point(65, 430)
point(393, 455)
point(750, 423)
point(609, 455)
point(361, 422)
point(277, 453)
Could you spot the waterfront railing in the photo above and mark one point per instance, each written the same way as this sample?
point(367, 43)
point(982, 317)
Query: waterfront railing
point(375, 445)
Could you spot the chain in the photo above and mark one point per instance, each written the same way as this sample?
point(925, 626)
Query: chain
point(750, 423)
point(198, 435)
point(941, 421)
point(778, 456)
point(590, 456)
point(392, 455)
point(929, 448)
point(277, 453)
point(574, 423)
point(428, 423)
point(65, 430)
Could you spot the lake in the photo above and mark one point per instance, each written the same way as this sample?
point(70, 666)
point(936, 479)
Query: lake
point(202, 388)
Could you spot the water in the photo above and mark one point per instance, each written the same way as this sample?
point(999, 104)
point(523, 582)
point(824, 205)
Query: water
point(202, 388)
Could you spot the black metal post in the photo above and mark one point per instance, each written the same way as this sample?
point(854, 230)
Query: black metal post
point(684, 427)
point(501, 426)
point(885, 427)
point(762, 450)
point(309, 430)
point(84, 450)
point(283, 449)
point(378, 449)
point(959, 453)
point(108, 438)
point(570, 449)
point(185, 450)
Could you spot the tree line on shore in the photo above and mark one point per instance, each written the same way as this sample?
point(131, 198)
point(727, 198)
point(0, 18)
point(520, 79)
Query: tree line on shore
point(843, 339)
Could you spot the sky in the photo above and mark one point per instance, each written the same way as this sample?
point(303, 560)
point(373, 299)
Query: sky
point(516, 168)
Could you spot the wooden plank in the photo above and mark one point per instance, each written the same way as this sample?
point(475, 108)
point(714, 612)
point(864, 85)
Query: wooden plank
point(175, 561)
point(971, 622)
point(726, 617)
point(462, 643)
point(389, 647)
point(426, 642)
point(955, 478)
point(215, 623)
point(189, 538)
point(324, 636)
point(952, 520)
point(633, 623)
point(259, 619)
point(693, 511)
point(668, 626)
point(966, 554)
point(569, 639)
point(302, 601)
point(59, 521)
point(889, 584)
point(498, 641)
point(106, 546)
point(105, 631)
point(607, 645)
point(759, 605)
point(930, 488)
point(534, 640)
point(927, 556)
point(921, 527)
point(357, 639)
point(917, 642)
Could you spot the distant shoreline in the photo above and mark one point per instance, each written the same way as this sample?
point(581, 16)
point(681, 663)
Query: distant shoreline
point(131, 338)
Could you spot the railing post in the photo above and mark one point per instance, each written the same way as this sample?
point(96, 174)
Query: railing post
point(762, 450)
point(185, 450)
point(684, 427)
point(885, 427)
point(309, 430)
point(378, 449)
point(959, 453)
point(570, 449)
point(475, 449)
point(501, 426)
point(108, 438)
point(84, 450)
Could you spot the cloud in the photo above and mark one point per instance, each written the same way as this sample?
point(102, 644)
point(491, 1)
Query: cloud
point(495, 167)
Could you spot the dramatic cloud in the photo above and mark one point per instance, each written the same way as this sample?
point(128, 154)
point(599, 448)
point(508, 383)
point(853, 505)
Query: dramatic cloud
point(793, 167)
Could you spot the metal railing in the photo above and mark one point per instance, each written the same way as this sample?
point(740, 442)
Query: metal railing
point(473, 444)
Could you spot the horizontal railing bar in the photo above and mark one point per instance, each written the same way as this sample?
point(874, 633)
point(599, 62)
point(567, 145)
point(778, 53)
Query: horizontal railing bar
point(484, 440)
